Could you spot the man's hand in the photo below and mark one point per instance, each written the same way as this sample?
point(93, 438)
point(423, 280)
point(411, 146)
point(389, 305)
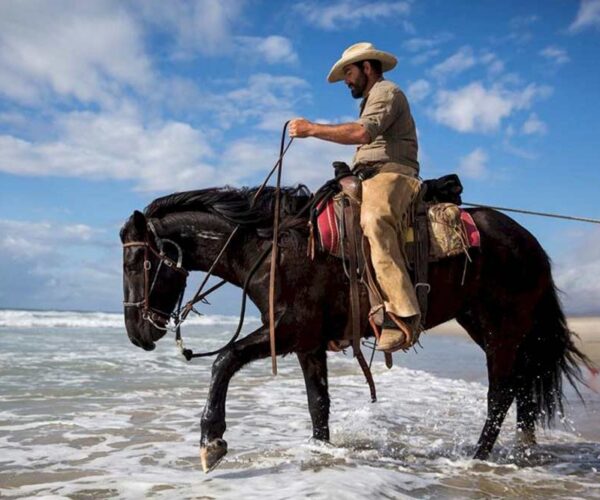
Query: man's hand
point(299, 127)
point(344, 133)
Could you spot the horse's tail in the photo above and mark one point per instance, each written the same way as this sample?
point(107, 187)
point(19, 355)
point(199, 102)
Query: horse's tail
point(548, 353)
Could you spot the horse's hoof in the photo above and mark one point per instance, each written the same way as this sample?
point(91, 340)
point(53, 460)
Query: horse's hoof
point(212, 453)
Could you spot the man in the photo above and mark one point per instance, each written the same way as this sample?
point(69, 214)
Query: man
point(386, 157)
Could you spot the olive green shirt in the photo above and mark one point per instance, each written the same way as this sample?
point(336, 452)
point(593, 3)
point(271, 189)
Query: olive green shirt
point(386, 116)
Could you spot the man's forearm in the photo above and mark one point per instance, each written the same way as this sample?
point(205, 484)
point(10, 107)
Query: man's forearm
point(344, 133)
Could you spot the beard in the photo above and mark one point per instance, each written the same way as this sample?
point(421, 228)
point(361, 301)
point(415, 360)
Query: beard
point(357, 88)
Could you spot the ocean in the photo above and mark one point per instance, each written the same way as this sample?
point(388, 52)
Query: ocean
point(85, 414)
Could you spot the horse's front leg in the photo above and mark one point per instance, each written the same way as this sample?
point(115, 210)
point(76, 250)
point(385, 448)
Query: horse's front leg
point(212, 445)
point(314, 367)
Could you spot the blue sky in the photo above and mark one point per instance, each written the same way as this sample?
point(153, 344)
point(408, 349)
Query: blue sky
point(105, 105)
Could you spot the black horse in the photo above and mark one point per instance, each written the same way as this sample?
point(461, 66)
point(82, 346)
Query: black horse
point(507, 303)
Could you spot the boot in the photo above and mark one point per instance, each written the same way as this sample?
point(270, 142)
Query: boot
point(338, 345)
point(395, 334)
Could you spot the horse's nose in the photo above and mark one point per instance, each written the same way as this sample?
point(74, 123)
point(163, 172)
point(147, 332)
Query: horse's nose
point(135, 342)
point(147, 346)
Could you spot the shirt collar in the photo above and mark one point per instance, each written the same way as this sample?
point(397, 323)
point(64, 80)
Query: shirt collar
point(363, 103)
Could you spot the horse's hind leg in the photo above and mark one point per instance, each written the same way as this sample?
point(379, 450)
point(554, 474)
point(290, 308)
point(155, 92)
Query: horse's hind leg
point(500, 361)
point(314, 367)
point(212, 445)
point(526, 416)
point(501, 350)
point(500, 397)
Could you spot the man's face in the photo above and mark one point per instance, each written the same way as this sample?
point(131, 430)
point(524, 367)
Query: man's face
point(356, 80)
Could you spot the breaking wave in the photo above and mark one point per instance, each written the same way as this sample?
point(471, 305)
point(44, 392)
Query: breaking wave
point(72, 319)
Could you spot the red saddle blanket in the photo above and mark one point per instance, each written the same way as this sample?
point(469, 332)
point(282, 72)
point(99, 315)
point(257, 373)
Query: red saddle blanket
point(329, 235)
point(328, 228)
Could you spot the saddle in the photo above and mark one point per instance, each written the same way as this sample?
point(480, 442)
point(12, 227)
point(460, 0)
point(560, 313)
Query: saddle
point(437, 229)
point(450, 230)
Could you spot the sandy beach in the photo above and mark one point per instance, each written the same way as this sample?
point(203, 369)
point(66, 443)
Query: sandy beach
point(586, 327)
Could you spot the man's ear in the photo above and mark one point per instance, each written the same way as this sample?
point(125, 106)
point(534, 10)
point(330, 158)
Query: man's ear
point(367, 68)
point(139, 223)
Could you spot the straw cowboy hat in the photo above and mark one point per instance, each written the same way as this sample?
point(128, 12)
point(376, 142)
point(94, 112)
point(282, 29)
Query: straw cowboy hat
point(360, 52)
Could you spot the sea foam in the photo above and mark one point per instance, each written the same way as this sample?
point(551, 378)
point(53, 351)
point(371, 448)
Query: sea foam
point(72, 319)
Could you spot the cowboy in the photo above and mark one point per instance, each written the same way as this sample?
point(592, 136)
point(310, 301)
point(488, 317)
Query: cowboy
point(386, 158)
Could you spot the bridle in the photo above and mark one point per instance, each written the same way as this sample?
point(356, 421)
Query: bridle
point(151, 314)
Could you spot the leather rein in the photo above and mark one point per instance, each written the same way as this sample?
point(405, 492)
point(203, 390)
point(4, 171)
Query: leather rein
point(179, 315)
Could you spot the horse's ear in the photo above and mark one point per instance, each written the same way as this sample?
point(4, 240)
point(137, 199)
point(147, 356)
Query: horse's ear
point(139, 222)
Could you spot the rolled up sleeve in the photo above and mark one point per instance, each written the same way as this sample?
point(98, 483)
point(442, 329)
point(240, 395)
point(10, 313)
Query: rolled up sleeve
point(379, 112)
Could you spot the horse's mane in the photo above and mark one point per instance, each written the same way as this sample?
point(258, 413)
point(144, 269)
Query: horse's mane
point(235, 205)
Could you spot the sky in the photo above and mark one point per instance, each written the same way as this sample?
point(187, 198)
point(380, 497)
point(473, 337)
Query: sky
point(106, 105)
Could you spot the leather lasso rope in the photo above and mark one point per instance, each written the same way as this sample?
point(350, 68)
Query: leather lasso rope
point(275, 254)
point(199, 296)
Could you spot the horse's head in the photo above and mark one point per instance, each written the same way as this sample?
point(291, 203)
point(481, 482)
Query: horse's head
point(153, 280)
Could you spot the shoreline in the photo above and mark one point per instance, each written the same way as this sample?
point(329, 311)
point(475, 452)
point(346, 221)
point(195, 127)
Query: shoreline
point(587, 329)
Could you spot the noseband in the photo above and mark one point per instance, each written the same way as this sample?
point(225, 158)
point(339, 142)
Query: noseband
point(149, 313)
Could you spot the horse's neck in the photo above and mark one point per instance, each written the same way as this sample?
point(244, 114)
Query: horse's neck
point(203, 238)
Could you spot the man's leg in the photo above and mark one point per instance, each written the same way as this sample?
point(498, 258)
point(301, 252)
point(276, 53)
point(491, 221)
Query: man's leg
point(385, 203)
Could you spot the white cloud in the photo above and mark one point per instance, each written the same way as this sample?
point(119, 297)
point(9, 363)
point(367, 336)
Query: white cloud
point(520, 31)
point(494, 65)
point(244, 158)
point(588, 16)
point(273, 49)
point(474, 165)
point(207, 28)
point(196, 27)
point(13, 119)
point(308, 161)
point(156, 155)
point(263, 100)
point(89, 51)
point(418, 44)
point(23, 240)
point(458, 62)
point(350, 12)
point(577, 275)
point(523, 21)
point(419, 90)
point(425, 56)
point(94, 52)
point(474, 108)
point(534, 125)
point(519, 152)
point(268, 99)
point(555, 54)
point(43, 264)
point(163, 155)
point(464, 59)
point(425, 48)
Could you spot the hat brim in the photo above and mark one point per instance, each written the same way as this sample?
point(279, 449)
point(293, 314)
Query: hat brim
point(388, 62)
